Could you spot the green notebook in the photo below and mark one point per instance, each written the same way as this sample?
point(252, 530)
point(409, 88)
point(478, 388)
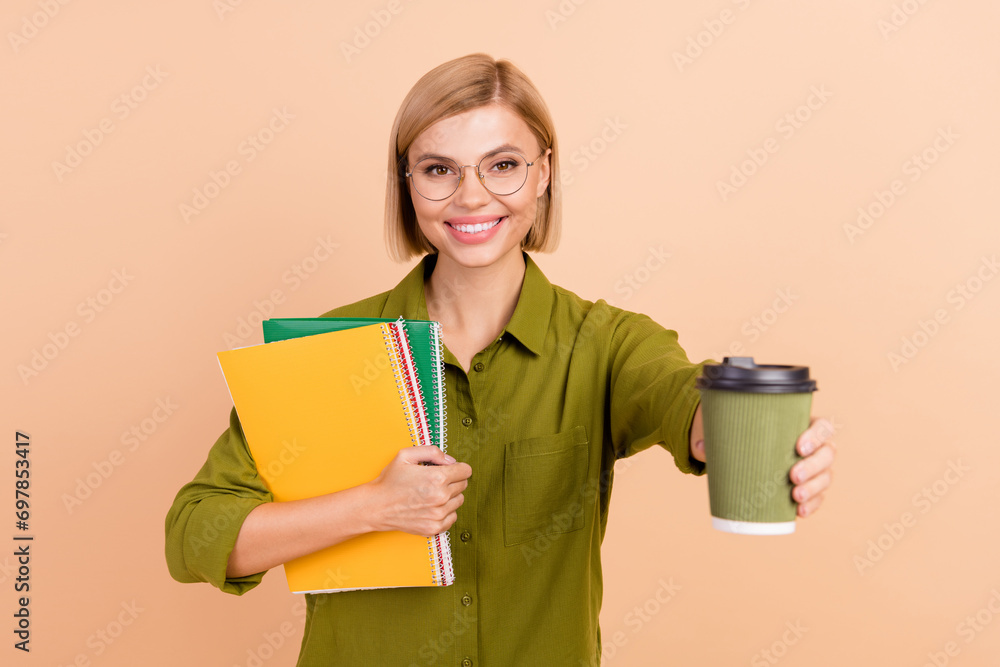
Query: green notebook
point(425, 342)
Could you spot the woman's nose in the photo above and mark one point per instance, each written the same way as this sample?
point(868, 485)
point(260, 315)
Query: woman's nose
point(472, 193)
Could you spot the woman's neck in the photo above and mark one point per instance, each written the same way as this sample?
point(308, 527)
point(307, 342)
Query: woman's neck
point(478, 300)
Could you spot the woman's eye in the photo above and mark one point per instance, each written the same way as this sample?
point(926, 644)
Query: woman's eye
point(437, 170)
point(505, 165)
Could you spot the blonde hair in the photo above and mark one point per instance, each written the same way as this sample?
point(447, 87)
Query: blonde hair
point(456, 86)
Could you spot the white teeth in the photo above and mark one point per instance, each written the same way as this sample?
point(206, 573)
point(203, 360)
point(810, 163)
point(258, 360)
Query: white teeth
point(478, 227)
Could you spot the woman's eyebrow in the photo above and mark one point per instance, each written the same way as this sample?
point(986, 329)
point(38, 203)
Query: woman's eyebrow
point(505, 148)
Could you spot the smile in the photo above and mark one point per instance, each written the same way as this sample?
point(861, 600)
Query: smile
point(476, 228)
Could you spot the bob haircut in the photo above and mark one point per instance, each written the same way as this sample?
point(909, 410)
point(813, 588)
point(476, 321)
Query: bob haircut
point(449, 89)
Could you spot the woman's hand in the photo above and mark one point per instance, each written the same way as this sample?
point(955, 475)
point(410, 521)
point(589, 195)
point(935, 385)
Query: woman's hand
point(415, 498)
point(811, 476)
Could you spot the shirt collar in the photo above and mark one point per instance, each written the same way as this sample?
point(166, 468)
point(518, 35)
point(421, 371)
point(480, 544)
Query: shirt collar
point(528, 324)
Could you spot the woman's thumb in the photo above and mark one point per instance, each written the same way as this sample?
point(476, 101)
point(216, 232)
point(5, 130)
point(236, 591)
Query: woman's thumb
point(428, 454)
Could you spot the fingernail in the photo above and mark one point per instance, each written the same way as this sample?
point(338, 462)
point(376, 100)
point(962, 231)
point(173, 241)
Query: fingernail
point(796, 475)
point(808, 446)
point(449, 458)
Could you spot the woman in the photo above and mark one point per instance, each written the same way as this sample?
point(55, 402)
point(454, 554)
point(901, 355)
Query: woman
point(545, 391)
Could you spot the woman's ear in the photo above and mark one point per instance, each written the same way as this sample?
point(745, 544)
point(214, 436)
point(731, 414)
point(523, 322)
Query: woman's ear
point(544, 172)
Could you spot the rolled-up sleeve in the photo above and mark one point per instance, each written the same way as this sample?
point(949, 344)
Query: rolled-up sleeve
point(653, 396)
point(207, 513)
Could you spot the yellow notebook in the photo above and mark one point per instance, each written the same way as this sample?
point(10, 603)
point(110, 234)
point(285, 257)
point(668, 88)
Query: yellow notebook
point(328, 412)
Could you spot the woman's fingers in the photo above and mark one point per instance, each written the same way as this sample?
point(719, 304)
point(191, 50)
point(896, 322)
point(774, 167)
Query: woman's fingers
point(820, 431)
point(805, 492)
point(820, 461)
point(810, 506)
point(813, 474)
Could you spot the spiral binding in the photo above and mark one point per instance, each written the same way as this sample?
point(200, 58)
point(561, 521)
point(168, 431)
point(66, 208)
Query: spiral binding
point(416, 398)
point(437, 352)
point(408, 383)
point(391, 347)
point(439, 551)
point(444, 565)
point(443, 540)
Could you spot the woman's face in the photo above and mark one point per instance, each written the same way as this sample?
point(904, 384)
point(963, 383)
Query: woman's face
point(466, 138)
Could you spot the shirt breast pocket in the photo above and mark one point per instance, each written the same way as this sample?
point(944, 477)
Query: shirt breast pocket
point(544, 484)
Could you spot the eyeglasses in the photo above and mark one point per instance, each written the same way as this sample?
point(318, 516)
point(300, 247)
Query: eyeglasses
point(437, 178)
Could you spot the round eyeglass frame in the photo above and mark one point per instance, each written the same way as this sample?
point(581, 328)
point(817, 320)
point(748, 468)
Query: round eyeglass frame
point(480, 174)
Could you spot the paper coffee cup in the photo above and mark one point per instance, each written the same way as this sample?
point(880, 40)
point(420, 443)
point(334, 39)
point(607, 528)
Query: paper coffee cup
point(753, 416)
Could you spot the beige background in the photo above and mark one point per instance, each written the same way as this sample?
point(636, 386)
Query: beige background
point(881, 575)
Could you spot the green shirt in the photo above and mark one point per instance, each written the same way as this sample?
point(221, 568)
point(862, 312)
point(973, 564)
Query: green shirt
point(567, 388)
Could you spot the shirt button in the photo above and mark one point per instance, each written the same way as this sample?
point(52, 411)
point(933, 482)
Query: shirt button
point(479, 366)
point(466, 599)
point(467, 421)
point(466, 536)
point(467, 662)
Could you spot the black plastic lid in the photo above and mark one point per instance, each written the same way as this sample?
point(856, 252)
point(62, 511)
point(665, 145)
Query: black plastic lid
point(742, 374)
